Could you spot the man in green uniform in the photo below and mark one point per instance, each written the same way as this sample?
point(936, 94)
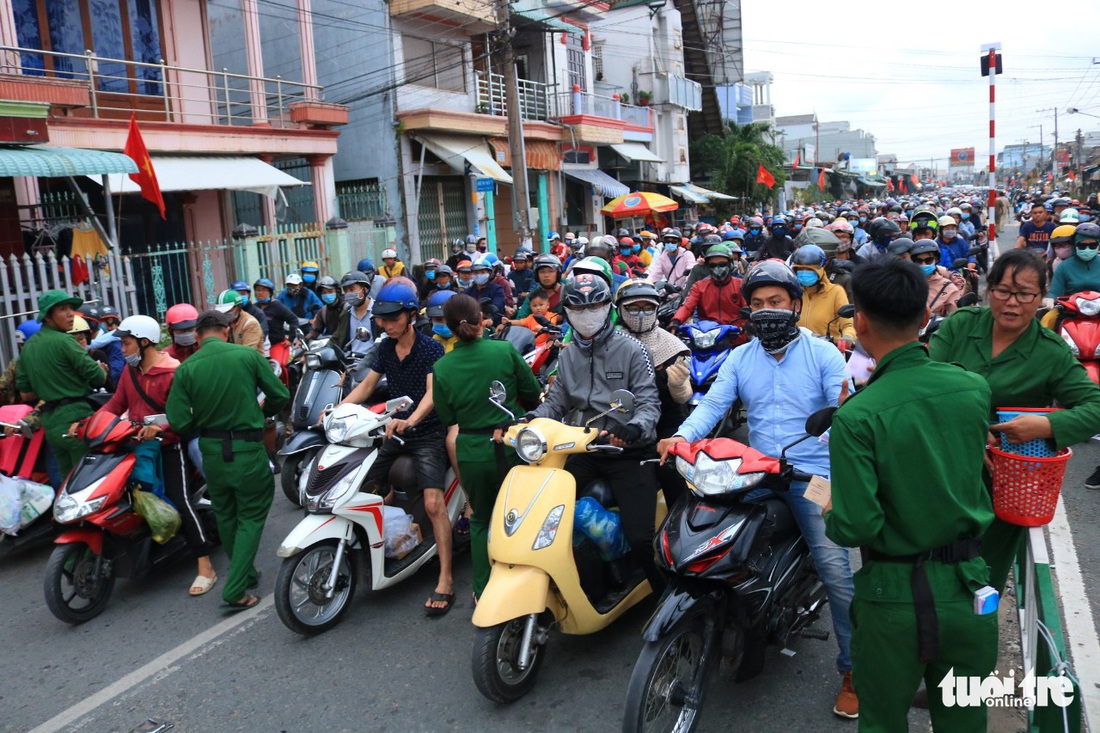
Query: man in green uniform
point(53, 368)
point(915, 505)
point(214, 395)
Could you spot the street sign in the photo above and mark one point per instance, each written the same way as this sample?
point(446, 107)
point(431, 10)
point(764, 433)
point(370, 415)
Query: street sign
point(485, 184)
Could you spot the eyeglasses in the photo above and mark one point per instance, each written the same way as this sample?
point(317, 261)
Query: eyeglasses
point(925, 259)
point(1003, 294)
point(1087, 245)
point(640, 309)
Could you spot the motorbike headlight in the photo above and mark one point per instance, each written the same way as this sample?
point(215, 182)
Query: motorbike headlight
point(337, 429)
point(549, 529)
point(1070, 343)
point(530, 445)
point(313, 361)
point(705, 339)
point(1088, 308)
point(67, 509)
point(714, 478)
point(324, 502)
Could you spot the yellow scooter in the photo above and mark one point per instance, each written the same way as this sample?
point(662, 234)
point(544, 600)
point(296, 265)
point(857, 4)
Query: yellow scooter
point(535, 581)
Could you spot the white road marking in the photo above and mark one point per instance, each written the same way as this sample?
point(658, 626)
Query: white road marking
point(1080, 629)
point(153, 668)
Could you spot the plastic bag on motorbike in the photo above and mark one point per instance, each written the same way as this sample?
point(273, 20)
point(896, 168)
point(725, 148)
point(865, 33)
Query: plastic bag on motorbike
point(162, 518)
point(11, 505)
point(36, 499)
point(399, 532)
point(601, 525)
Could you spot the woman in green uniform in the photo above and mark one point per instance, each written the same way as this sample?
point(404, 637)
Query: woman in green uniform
point(461, 392)
point(1025, 365)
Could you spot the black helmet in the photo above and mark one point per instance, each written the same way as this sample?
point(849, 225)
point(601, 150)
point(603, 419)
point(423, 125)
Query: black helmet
point(545, 260)
point(327, 282)
point(355, 278)
point(672, 232)
point(634, 289)
point(90, 312)
point(900, 246)
point(883, 230)
point(585, 289)
point(771, 272)
point(710, 240)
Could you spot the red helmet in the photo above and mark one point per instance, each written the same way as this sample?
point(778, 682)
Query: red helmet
point(181, 317)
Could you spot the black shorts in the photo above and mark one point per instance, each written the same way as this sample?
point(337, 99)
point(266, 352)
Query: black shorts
point(429, 453)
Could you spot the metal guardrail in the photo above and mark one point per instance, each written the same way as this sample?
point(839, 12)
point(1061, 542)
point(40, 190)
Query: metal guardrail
point(536, 103)
point(117, 86)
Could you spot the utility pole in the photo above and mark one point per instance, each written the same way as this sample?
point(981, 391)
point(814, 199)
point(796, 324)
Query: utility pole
point(521, 199)
point(1054, 153)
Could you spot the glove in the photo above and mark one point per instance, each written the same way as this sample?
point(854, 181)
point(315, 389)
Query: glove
point(625, 433)
point(679, 382)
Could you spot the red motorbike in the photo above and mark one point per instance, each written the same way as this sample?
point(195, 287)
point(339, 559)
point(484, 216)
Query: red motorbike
point(108, 539)
point(21, 456)
point(1079, 326)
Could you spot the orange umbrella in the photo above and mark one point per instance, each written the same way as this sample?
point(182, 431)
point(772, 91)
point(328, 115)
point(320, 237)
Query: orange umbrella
point(638, 204)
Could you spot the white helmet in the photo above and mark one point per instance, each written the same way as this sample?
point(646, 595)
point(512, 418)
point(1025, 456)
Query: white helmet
point(140, 327)
point(953, 211)
point(388, 253)
point(1069, 216)
point(294, 279)
point(814, 223)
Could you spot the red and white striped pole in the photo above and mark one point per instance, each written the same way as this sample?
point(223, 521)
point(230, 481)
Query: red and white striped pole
point(993, 69)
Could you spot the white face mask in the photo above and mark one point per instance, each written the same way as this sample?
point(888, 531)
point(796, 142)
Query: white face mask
point(588, 323)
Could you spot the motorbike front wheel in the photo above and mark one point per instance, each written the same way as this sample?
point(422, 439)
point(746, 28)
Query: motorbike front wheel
point(77, 585)
point(291, 473)
point(299, 590)
point(496, 662)
point(669, 679)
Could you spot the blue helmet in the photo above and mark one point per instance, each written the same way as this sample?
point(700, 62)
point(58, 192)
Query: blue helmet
point(264, 282)
point(365, 265)
point(436, 301)
point(25, 330)
point(394, 297)
point(239, 285)
point(809, 255)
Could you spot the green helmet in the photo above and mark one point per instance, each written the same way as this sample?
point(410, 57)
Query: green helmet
point(226, 300)
point(596, 265)
point(719, 250)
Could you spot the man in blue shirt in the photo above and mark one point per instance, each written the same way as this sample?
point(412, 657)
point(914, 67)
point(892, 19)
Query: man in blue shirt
point(300, 299)
point(952, 246)
point(783, 376)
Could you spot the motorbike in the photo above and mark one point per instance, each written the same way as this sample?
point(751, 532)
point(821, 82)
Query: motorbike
point(711, 343)
point(1079, 326)
point(329, 376)
point(671, 296)
point(105, 538)
point(343, 526)
point(21, 456)
point(542, 358)
point(539, 580)
point(935, 321)
point(741, 576)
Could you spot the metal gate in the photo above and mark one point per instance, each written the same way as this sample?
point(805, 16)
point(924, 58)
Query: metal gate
point(442, 216)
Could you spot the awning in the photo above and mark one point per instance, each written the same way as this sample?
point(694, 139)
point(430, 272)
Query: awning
point(547, 21)
point(202, 173)
point(707, 193)
point(636, 151)
point(52, 162)
point(600, 182)
point(871, 183)
point(457, 150)
point(682, 192)
point(541, 155)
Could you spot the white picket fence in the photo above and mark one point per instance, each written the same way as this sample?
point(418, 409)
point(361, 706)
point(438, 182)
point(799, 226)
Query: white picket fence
point(22, 279)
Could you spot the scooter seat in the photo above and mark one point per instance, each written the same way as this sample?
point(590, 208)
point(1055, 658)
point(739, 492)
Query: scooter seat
point(599, 490)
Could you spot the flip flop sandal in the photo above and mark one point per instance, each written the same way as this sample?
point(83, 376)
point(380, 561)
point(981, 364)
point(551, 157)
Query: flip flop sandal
point(249, 601)
point(202, 585)
point(447, 598)
point(256, 584)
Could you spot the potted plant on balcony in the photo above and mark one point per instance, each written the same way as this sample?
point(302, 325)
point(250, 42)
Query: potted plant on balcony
point(644, 98)
point(624, 98)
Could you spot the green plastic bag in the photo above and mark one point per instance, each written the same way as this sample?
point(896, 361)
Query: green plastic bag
point(162, 518)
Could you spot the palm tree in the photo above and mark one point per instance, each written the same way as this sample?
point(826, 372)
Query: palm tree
point(730, 161)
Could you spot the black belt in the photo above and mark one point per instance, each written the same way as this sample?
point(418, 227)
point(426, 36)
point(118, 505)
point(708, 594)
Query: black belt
point(228, 436)
point(51, 405)
point(924, 602)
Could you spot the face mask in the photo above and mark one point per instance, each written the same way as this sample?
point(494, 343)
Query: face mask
point(624, 251)
point(589, 322)
point(671, 246)
point(265, 301)
point(928, 269)
point(354, 299)
point(443, 286)
point(755, 232)
point(293, 292)
point(1063, 252)
point(779, 231)
point(244, 300)
point(464, 283)
point(441, 329)
point(482, 278)
point(1086, 255)
point(234, 315)
point(471, 248)
point(309, 277)
point(775, 327)
point(134, 360)
point(798, 227)
point(636, 248)
point(808, 278)
point(483, 248)
point(638, 323)
point(719, 273)
point(430, 274)
point(947, 234)
point(185, 338)
point(328, 298)
point(965, 216)
point(862, 219)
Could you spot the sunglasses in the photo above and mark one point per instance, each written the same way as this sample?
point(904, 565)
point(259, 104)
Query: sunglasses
point(1087, 245)
point(925, 259)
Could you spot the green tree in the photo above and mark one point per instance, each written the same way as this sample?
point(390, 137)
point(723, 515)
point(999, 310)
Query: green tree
point(730, 161)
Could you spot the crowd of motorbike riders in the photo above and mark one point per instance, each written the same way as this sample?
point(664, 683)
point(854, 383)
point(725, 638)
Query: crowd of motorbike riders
point(612, 308)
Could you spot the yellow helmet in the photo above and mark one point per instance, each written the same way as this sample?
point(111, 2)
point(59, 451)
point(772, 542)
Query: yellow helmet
point(1063, 234)
point(79, 325)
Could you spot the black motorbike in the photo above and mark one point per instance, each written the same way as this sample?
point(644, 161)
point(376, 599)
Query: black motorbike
point(741, 576)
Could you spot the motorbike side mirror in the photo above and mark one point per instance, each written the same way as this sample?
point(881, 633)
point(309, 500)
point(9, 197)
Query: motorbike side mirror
point(497, 394)
point(362, 334)
point(960, 263)
point(974, 250)
point(622, 401)
point(397, 404)
point(160, 421)
point(543, 321)
point(968, 299)
point(820, 421)
point(746, 312)
point(846, 311)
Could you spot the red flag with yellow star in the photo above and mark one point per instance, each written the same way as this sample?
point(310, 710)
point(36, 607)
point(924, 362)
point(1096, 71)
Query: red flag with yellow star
point(146, 177)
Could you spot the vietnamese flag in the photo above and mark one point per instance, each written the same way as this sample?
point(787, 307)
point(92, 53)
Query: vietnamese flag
point(902, 187)
point(821, 179)
point(914, 179)
point(146, 177)
point(797, 159)
point(889, 184)
point(762, 176)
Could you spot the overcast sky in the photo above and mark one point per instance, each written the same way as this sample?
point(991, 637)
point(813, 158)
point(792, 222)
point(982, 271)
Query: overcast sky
point(867, 64)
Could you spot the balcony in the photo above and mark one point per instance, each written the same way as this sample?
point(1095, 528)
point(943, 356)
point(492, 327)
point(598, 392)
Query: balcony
point(107, 88)
point(475, 17)
point(676, 90)
point(536, 103)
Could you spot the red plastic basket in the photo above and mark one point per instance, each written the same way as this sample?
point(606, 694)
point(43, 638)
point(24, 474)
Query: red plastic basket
point(1026, 488)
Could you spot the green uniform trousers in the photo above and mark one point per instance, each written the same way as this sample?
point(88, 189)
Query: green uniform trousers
point(56, 423)
point(481, 481)
point(886, 667)
point(1000, 545)
point(240, 492)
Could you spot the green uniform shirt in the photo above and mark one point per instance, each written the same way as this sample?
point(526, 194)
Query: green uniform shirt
point(1036, 370)
point(901, 485)
point(55, 367)
point(460, 390)
point(215, 389)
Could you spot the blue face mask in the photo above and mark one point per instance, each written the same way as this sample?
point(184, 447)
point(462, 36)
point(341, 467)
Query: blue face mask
point(309, 277)
point(862, 219)
point(430, 274)
point(671, 246)
point(965, 216)
point(244, 300)
point(443, 286)
point(808, 278)
point(328, 298)
point(441, 329)
point(1084, 218)
point(264, 301)
point(754, 232)
point(928, 269)
point(636, 248)
point(1085, 254)
point(625, 250)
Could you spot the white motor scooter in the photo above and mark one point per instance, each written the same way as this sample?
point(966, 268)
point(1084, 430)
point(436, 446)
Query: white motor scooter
point(344, 522)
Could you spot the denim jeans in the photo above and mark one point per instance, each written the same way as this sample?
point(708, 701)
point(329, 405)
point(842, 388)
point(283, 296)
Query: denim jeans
point(195, 454)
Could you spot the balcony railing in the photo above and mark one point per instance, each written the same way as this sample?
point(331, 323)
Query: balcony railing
point(116, 87)
point(535, 101)
point(597, 105)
